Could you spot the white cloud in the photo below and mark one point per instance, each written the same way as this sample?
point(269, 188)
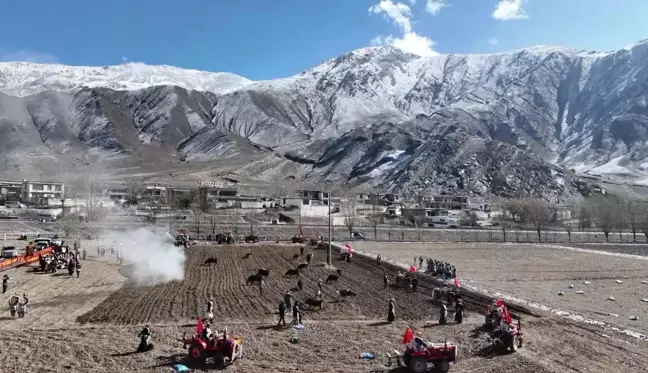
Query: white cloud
point(493, 41)
point(400, 14)
point(507, 10)
point(124, 59)
point(26, 55)
point(434, 6)
point(413, 2)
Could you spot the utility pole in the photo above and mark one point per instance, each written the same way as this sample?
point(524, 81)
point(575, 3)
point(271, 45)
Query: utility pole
point(328, 253)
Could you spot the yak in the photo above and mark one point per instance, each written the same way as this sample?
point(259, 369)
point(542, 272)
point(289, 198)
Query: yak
point(346, 293)
point(248, 255)
point(339, 271)
point(331, 279)
point(312, 303)
point(296, 256)
point(263, 272)
point(302, 266)
point(292, 272)
point(211, 261)
point(252, 279)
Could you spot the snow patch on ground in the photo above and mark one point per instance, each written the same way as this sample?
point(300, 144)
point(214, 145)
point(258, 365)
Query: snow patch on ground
point(542, 307)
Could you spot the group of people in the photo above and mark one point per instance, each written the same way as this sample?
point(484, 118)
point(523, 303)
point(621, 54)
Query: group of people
point(18, 305)
point(290, 303)
point(438, 268)
point(101, 252)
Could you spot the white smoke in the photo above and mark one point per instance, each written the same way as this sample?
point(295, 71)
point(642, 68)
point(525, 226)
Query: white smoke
point(155, 258)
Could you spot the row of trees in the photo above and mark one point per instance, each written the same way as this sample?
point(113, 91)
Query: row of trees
point(608, 214)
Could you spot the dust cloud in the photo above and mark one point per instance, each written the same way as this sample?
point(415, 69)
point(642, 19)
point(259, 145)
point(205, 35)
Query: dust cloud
point(155, 258)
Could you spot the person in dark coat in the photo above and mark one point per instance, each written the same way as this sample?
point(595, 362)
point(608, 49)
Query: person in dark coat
point(296, 315)
point(385, 281)
point(378, 260)
point(300, 285)
point(301, 251)
point(282, 313)
point(459, 311)
point(391, 314)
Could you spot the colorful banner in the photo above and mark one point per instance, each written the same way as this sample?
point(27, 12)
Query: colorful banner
point(22, 260)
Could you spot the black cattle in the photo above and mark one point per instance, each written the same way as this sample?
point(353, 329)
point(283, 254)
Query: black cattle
point(292, 273)
point(346, 293)
point(296, 256)
point(211, 261)
point(302, 266)
point(314, 303)
point(263, 272)
point(339, 271)
point(331, 279)
point(252, 279)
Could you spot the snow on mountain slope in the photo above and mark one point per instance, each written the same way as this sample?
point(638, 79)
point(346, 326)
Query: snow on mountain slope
point(566, 106)
point(501, 124)
point(26, 78)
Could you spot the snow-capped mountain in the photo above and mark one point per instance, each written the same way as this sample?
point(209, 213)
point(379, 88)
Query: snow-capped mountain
point(507, 124)
point(26, 78)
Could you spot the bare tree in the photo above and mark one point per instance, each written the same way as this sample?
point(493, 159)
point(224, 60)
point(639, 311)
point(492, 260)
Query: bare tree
point(376, 213)
point(633, 213)
point(250, 217)
point(213, 222)
point(134, 188)
point(350, 216)
point(539, 213)
point(198, 218)
point(585, 216)
point(514, 206)
point(569, 226)
point(603, 211)
point(503, 222)
point(419, 222)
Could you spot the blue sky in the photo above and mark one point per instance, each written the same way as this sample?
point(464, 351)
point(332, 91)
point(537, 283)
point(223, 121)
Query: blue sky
point(263, 39)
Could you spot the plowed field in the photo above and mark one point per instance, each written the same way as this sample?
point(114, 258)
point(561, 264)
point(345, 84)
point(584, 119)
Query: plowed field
point(48, 339)
point(225, 282)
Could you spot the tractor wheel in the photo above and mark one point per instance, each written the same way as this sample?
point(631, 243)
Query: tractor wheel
point(514, 343)
point(418, 365)
point(442, 367)
point(219, 360)
point(197, 353)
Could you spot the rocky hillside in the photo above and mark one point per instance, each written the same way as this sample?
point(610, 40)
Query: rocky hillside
point(500, 124)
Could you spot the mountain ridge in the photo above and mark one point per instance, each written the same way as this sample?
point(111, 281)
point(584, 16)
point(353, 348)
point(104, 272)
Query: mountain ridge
point(487, 123)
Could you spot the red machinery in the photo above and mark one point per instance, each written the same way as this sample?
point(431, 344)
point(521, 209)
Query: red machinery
point(435, 355)
point(222, 351)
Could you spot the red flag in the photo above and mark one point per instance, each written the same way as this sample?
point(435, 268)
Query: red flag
point(500, 303)
point(408, 336)
point(347, 245)
point(199, 327)
point(507, 316)
point(457, 284)
point(412, 269)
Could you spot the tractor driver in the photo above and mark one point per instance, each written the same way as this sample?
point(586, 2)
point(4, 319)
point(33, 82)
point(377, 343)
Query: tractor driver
point(418, 344)
point(207, 334)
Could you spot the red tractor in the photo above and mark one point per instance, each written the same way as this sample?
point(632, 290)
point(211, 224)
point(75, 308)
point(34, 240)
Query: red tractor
point(223, 351)
point(435, 355)
point(511, 338)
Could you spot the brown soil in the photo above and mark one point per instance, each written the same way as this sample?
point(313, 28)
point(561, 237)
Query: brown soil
point(331, 342)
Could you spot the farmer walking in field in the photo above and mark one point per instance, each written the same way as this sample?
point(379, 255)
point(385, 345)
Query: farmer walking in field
point(78, 269)
point(289, 300)
point(297, 319)
point(385, 280)
point(5, 283)
point(210, 310)
point(378, 260)
point(282, 314)
point(391, 313)
point(261, 286)
point(84, 253)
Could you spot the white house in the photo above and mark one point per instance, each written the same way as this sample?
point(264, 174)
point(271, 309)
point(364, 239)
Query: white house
point(41, 192)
